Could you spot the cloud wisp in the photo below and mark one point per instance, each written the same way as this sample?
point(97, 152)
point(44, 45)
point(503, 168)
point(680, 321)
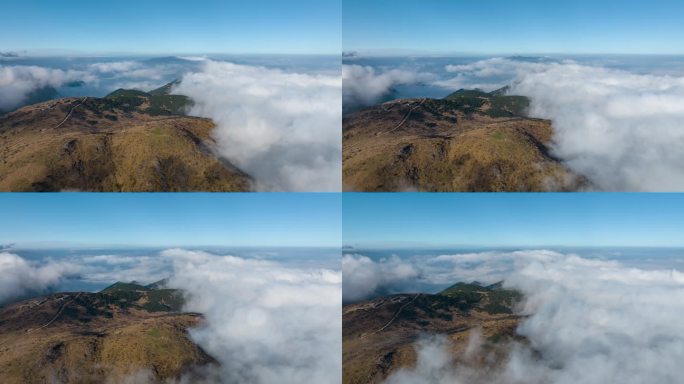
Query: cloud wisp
point(282, 128)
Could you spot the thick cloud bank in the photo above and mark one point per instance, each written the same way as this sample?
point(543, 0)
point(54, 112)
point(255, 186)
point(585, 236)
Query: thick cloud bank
point(19, 277)
point(622, 130)
point(365, 85)
point(265, 322)
point(281, 128)
point(18, 82)
point(588, 321)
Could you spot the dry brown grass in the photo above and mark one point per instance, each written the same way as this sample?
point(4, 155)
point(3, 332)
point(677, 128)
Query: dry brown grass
point(80, 347)
point(110, 150)
point(448, 150)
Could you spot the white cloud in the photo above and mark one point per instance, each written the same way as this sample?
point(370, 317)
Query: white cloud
point(281, 128)
point(364, 85)
point(434, 365)
point(17, 82)
point(364, 277)
point(19, 277)
point(265, 322)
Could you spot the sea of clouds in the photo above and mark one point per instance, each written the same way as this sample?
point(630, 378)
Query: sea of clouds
point(587, 320)
point(621, 126)
point(266, 320)
point(280, 127)
point(278, 118)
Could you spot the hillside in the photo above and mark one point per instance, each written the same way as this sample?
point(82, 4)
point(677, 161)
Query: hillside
point(468, 141)
point(127, 141)
point(126, 329)
point(379, 334)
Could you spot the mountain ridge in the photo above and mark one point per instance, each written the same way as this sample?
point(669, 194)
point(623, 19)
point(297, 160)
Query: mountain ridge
point(127, 141)
point(379, 334)
point(82, 337)
point(470, 140)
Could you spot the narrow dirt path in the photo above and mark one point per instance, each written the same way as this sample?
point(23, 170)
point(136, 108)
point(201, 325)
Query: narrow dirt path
point(71, 111)
point(406, 117)
point(59, 312)
point(397, 314)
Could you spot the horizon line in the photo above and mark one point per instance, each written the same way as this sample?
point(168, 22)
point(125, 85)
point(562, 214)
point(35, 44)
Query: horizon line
point(442, 247)
point(389, 53)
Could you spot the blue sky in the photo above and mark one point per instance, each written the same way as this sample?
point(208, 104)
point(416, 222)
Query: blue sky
point(171, 26)
point(514, 27)
point(508, 219)
point(171, 219)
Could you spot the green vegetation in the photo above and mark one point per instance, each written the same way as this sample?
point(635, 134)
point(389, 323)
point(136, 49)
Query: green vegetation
point(162, 300)
point(160, 101)
point(168, 105)
point(492, 299)
point(502, 300)
point(506, 106)
point(126, 93)
point(497, 102)
point(152, 297)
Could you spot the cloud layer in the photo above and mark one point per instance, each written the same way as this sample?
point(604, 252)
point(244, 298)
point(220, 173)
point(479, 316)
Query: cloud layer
point(281, 128)
point(266, 322)
point(587, 320)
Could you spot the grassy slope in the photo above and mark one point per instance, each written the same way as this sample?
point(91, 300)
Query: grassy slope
point(470, 141)
point(110, 145)
point(119, 331)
